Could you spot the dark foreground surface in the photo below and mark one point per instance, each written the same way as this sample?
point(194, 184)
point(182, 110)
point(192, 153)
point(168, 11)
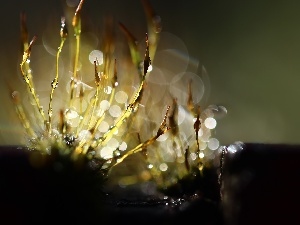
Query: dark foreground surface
point(261, 185)
point(38, 190)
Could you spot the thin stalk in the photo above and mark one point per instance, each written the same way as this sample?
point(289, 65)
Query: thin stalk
point(63, 34)
point(30, 85)
point(161, 130)
point(76, 22)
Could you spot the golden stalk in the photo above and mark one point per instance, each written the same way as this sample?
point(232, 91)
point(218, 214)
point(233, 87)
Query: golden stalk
point(101, 117)
point(26, 77)
point(76, 23)
point(154, 27)
point(63, 35)
point(163, 128)
point(96, 96)
point(132, 107)
point(68, 139)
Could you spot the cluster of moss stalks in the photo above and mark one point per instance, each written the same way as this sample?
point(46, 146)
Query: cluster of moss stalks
point(55, 188)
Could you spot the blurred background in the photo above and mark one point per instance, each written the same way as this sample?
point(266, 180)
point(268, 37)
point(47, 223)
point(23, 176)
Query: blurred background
point(250, 50)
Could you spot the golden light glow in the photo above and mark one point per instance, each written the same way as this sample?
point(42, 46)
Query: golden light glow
point(114, 117)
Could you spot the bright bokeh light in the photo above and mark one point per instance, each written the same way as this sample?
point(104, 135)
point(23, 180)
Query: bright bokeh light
point(210, 123)
point(113, 143)
point(123, 146)
point(103, 127)
point(71, 114)
point(121, 97)
point(104, 105)
point(115, 111)
point(213, 144)
point(193, 156)
point(84, 134)
point(237, 146)
point(106, 152)
point(96, 55)
point(201, 155)
point(163, 167)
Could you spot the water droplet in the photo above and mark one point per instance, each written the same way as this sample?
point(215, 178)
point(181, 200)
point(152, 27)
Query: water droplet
point(107, 90)
point(54, 84)
point(69, 139)
point(15, 94)
point(50, 112)
point(235, 147)
point(123, 146)
point(106, 152)
point(218, 111)
point(71, 114)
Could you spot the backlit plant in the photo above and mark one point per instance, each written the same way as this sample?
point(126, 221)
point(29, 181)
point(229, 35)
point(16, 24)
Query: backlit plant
point(171, 134)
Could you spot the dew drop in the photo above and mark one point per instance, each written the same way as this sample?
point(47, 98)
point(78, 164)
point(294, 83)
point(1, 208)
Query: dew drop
point(71, 114)
point(54, 84)
point(106, 152)
point(235, 147)
point(123, 146)
point(50, 112)
point(107, 90)
point(219, 111)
